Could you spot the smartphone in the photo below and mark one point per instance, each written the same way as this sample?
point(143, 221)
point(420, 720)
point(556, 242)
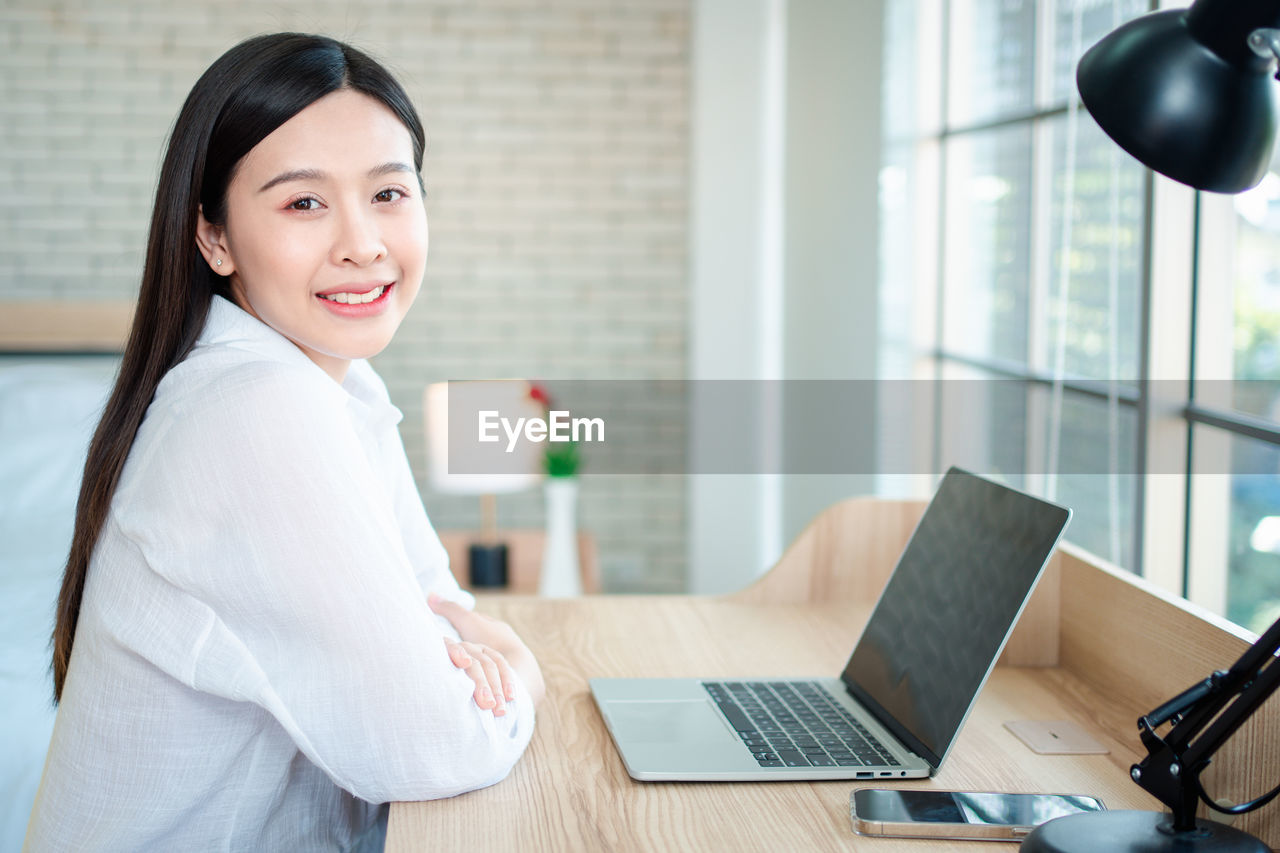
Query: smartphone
point(930, 813)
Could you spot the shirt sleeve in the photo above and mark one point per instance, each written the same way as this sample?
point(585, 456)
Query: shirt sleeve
point(257, 509)
point(426, 552)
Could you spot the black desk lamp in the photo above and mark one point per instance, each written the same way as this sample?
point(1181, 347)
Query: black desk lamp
point(1188, 93)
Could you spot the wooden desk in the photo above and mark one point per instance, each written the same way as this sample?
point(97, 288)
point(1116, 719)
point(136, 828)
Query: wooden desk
point(571, 791)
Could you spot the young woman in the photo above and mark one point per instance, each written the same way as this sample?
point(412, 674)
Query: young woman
point(258, 639)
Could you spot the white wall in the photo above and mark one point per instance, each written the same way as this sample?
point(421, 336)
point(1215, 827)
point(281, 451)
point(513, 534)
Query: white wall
point(832, 221)
point(736, 78)
point(785, 158)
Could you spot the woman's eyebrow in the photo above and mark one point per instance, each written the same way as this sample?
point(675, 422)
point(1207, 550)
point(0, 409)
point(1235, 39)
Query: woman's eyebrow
point(317, 175)
point(293, 175)
point(389, 168)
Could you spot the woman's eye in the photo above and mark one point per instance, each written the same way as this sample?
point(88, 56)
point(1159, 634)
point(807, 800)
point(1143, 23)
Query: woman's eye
point(304, 204)
point(389, 194)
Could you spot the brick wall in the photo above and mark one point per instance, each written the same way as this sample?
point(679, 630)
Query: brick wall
point(556, 173)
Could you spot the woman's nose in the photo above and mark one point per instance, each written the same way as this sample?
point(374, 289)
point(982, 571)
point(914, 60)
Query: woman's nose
point(359, 239)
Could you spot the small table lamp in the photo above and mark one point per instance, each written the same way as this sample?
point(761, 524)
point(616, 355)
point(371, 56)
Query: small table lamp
point(513, 471)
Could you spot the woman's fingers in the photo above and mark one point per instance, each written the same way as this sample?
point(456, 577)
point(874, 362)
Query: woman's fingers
point(482, 652)
point(457, 654)
point(508, 677)
point(493, 690)
point(483, 693)
point(490, 672)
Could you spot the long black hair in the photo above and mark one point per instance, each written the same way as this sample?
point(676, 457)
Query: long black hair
point(246, 94)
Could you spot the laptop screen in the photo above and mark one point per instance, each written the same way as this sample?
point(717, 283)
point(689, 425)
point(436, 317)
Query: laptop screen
point(949, 606)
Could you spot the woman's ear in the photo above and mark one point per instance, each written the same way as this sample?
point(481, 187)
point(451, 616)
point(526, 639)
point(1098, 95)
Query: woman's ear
point(212, 241)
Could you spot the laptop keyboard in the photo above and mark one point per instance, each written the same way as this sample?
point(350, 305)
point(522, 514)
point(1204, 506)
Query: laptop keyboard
point(795, 724)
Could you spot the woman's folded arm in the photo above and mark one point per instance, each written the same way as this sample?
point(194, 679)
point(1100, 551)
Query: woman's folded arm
point(266, 507)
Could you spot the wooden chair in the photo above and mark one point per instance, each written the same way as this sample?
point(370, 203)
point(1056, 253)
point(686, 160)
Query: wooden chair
point(848, 552)
point(845, 554)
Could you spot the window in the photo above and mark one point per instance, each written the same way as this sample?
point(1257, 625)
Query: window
point(1020, 252)
point(1234, 537)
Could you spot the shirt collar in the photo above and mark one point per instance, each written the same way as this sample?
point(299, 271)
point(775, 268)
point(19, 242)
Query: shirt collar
point(362, 391)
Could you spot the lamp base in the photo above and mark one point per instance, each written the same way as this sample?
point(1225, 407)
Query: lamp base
point(1138, 832)
point(487, 565)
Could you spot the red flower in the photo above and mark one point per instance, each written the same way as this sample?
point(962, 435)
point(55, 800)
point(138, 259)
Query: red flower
point(539, 394)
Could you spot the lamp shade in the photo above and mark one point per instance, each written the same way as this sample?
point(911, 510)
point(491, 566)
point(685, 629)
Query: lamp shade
point(466, 465)
point(1183, 92)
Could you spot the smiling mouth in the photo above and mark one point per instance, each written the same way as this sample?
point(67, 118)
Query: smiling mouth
point(357, 298)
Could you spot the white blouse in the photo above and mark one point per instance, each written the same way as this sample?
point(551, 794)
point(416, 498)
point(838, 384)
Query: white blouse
point(255, 665)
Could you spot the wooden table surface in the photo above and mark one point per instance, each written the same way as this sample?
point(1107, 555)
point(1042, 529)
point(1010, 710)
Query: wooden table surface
point(571, 791)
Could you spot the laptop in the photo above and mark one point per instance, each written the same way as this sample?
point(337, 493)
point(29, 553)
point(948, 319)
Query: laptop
point(936, 632)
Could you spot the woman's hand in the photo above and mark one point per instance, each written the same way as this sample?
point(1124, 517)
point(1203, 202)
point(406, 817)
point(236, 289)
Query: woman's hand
point(491, 653)
point(489, 669)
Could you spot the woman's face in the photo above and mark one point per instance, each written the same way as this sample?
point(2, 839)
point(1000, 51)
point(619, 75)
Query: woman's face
point(325, 238)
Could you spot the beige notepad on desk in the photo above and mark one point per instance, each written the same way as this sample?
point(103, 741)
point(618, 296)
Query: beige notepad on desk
point(1055, 737)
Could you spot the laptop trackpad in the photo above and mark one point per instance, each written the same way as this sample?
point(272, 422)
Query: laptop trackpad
point(687, 721)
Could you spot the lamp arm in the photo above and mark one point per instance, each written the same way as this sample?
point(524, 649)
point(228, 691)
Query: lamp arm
point(1184, 701)
point(1204, 717)
point(1251, 698)
point(1261, 679)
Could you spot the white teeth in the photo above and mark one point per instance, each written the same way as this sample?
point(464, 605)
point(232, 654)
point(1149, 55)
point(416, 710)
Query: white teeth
point(356, 298)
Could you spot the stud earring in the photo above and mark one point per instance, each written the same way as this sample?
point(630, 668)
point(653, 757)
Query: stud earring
point(218, 262)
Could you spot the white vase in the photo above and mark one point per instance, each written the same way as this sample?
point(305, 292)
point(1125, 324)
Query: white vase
point(560, 576)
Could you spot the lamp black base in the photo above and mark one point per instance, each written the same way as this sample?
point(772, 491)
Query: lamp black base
point(1138, 832)
point(487, 566)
